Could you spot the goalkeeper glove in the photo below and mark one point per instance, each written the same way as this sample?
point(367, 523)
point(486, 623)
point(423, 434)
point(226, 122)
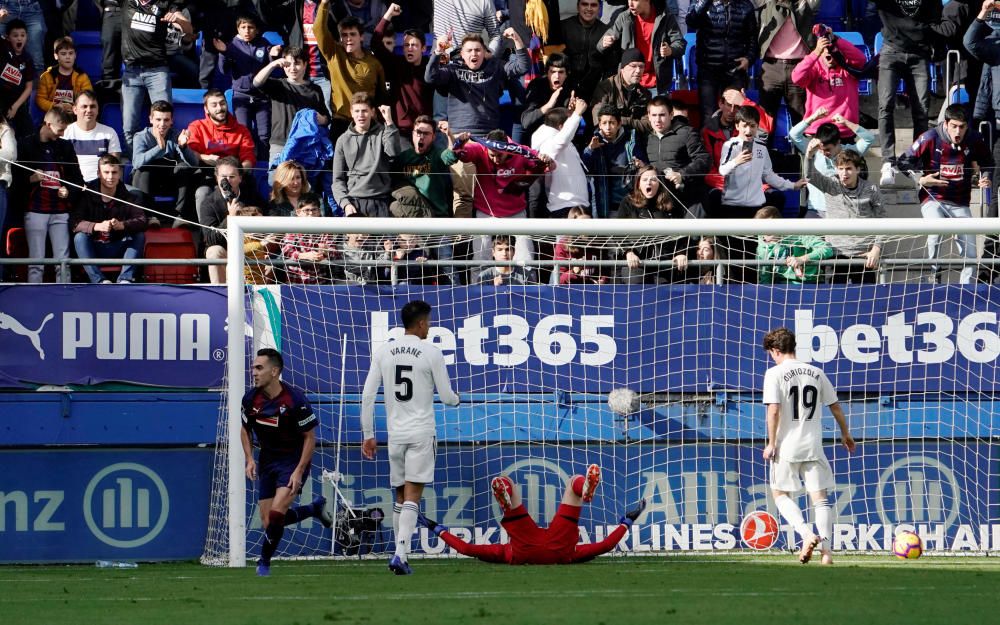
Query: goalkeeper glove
point(432, 525)
point(631, 515)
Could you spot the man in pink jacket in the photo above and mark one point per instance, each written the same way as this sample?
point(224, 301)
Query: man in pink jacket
point(827, 82)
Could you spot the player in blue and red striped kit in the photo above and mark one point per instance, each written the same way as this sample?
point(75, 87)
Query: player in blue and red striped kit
point(284, 425)
point(530, 544)
point(943, 161)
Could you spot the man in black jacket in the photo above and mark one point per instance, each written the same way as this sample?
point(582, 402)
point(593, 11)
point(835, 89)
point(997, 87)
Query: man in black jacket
point(581, 34)
point(659, 51)
point(622, 92)
point(226, 199)
point(669, 143)
point(107, 223)
point(727, 46)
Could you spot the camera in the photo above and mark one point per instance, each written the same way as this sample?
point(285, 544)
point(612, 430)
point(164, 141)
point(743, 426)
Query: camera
point(227, 190)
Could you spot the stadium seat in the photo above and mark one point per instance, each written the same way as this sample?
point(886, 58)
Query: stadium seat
point(170, 243)
point(111, 115)
point(89, 55)
point(188, 106)
point(88, 16)
point(782, 126)
point(833, 13)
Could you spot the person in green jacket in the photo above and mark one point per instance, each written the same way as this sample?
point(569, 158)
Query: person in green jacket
point(799, 253)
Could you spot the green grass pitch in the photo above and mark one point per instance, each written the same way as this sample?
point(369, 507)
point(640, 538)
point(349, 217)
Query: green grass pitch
point(671, 589)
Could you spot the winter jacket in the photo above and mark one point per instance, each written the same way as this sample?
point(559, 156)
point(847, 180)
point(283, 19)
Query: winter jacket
point(500, 191)
point(229, 138)
point(832, 87)
point(629, 100)
point(714, 135)
point(214, 212)
point(862, 202)
point(743, 182)
point(567, 183)
point(813, 247)
point(772, 18)
point(984, 44)
point(91, 209)
point(362, 163)
point(934, 151)
point(430, 174)
point(665, 29)
point(308, 143)
point(607, 166)
point(53, 87)
point(679, 148)
point(410, 95)
point(243, 59)
point(726, 32)
point(474, 94)
point(906, 25)
point(586, 64)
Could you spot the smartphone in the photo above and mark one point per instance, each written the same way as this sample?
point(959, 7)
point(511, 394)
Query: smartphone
point(748, 146)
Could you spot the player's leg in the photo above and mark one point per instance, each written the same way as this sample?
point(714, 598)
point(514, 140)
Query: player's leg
point(397, 507)
point(418, 470)
point(785, 479)
point(818, 479)
point(267, 487)
point(583, 553)
point(581, 488)
point(412, 493)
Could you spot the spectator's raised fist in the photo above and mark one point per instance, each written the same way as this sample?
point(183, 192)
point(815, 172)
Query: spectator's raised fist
point(386, 113)
point(511, 34)
point(218, 44)
point(734, 97)
point(394, 10)
point(608, 41)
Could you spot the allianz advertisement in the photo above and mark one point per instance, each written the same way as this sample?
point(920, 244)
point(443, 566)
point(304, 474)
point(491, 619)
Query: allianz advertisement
point(888, 338)
point(699, 496)
point(85, 505)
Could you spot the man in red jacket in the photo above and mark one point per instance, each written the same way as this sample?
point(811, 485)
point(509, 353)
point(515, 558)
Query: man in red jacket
point(216, 136)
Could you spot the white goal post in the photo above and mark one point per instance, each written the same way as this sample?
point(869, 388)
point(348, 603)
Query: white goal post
point(958, 434)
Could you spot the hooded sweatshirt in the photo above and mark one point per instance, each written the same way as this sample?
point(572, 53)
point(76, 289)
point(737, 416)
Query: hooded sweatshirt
point(362, 162)
point(474, 94)
point(832, 87)
point(229, 138)
point(862, 202)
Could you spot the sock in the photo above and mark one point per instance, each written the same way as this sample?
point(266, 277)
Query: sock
point(790, 512)
point(407, 525)
point(396, 509)
point(272, 536)
point(299, 513)
point(824, 521)
point(578, 485)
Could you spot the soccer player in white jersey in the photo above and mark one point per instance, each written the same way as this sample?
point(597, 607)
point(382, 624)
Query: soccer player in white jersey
point(411, 369)
point(795, 393)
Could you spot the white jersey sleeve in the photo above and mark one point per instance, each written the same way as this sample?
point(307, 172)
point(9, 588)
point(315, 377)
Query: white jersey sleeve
point(410, 370)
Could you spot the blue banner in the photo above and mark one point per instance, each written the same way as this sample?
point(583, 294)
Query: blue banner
point(887, 338)
point(698, 495)
point(109, 504)
point(87, 334)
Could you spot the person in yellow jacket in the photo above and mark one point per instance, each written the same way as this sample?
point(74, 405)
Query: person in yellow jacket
point(61, 83)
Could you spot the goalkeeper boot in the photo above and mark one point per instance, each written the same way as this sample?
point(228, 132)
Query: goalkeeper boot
point(503, 490)
point(590, 482)
point(634, 513)
point(399, 566)
point(435, 527)
point(263, 570)
point(322, 512)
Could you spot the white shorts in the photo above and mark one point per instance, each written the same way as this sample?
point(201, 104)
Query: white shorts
point(412, 462)
point(790, 476)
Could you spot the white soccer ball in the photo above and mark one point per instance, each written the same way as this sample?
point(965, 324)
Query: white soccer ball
point(623, 401)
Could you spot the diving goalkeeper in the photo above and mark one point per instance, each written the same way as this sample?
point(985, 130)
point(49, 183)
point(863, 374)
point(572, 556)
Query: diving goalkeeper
point(530, 544)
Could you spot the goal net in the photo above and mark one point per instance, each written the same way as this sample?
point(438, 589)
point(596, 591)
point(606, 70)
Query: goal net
point(658, 381)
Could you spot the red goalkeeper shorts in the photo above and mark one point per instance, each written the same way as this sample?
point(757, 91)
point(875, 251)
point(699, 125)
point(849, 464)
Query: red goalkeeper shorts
point(531, 544)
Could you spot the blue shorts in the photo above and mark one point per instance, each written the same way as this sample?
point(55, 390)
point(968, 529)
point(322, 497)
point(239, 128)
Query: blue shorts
point(273, 472)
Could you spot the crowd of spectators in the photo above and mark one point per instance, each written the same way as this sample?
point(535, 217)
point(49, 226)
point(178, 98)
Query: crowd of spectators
point(362, 108)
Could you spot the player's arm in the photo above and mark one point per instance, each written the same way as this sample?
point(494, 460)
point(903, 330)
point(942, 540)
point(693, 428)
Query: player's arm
point(251, 466)
point(443, 383)
point(372, 384)
point(845, 434)
point(308, 446)
point(773, 416)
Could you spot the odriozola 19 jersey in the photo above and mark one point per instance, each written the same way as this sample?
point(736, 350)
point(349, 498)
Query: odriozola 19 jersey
point(801, 390)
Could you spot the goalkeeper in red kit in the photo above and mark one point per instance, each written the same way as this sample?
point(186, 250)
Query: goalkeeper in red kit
point(530, 544)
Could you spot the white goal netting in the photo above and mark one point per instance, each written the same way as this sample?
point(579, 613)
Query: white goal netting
point(678, 353)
